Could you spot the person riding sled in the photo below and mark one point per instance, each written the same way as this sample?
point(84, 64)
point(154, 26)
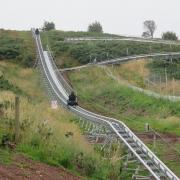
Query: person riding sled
point(72, 101)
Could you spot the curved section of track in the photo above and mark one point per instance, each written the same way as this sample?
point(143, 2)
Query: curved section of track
point(144, 155)
point(125, 59)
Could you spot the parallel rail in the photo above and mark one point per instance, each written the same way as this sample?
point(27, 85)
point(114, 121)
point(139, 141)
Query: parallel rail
point(125, 59)
point(143, 40)
point(145, 156)
point(129, 58)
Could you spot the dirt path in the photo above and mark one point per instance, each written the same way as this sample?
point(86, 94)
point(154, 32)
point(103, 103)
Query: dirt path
point(148, 137)
point(23, 168)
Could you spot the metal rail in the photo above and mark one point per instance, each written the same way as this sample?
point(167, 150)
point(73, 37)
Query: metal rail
point(145, 91)
point(129, 58)
point(155, 41)
point(124, 59)
point(145, 156)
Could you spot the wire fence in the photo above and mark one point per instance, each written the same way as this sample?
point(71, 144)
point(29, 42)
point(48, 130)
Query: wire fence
point(164, 77)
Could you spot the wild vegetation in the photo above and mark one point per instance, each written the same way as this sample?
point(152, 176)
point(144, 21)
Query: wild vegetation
point(6, 85)
point(172, 67)
point(49, 135)
point(99, 93)
point(169, 36)
point(85, 52)
point(17, 46)
point(47, 26)
point(150, 27)
point(95, 27)
point(157, 75)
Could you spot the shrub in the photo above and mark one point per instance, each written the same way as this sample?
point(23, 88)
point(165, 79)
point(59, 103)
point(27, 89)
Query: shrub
point(6, 85)
point(169, 36)
point(17, 48)
point(95, 27)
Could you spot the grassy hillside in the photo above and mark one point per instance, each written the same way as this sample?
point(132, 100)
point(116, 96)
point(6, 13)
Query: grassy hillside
point(43, 131)
point(100, 93)
point(156, 75)
point(172, 68)
point(85, 52)
point(17, 46)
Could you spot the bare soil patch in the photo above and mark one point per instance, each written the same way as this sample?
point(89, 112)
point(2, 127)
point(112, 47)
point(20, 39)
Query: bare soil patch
point(23, 168)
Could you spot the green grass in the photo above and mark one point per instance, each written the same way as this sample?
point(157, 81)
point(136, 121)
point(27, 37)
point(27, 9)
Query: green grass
point(99, 93)
point(172, 68)
point(17, 46)
point(42, 133)
point(84, 52)
point(6, 85)
point(5, 156)
point(42, 129)
point(168, 155)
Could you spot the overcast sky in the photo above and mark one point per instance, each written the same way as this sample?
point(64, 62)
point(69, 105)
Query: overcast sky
point(116, 16)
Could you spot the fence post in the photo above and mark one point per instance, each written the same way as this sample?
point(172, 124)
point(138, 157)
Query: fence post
point(166, 78)
point(154, 142)
point(147, 127)
point(17, 126)
point(127, 51)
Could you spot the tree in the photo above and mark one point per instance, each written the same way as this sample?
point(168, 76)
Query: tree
point(95, 27)
point(169, 36)
point(146, 34)
point(48, 26)
point(150, 26)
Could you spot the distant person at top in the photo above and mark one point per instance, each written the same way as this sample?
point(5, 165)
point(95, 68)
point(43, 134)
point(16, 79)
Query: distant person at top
point(37, 31)
point(72, 101)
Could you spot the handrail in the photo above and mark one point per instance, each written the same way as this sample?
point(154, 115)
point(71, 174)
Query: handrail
point(122, 59)
point(143, 40)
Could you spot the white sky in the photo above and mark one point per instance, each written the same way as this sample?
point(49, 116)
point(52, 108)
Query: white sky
point(116, 16)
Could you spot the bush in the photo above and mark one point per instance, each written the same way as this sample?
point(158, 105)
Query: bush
point(16, 48)
point(48, 26)
point(6, 85)
point(169, 36)
point(86, 165)
point(28, 60)
point(172, 68)
point(95, 27)
point(10, 48)
point(84, 52)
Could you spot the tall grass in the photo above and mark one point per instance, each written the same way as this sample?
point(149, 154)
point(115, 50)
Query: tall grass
point(99, 93)
point(42, 130)
point(17, 46)
point(85, 52)
point(141, 74)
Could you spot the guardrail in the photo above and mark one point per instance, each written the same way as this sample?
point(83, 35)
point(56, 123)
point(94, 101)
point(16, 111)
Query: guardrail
point(145, 91)
point(124, 59)
point(129, 58)
point(143, 40)
point(144, 155)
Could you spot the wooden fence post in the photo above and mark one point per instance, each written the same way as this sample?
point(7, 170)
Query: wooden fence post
point(17, 115)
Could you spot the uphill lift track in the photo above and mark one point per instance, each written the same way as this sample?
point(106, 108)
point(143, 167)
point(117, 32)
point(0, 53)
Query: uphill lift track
point(135, 39)
point(126, 59)
point(59, 90)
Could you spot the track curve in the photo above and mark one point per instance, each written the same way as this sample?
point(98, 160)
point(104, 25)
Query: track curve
point(59, 87)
